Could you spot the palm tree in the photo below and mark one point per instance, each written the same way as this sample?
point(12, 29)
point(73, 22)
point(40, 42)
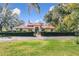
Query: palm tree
point(30, 5)
point(35, 6)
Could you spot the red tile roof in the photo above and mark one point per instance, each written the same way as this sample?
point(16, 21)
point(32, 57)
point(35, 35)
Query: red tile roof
point(31, 26)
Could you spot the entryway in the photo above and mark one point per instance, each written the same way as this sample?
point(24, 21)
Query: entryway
point(37, 32)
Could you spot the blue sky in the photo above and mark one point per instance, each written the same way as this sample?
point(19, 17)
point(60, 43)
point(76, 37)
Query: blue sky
point(34, 17)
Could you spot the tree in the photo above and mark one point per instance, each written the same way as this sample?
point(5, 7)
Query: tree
point(65, 17)
point(35, 6)
point(56, 15)
point(7, 21)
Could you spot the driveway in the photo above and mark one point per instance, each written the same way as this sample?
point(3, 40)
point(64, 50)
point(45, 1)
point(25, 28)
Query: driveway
point(35, 38)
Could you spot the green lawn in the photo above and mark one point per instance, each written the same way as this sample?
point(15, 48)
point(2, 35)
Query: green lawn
point(39, 48)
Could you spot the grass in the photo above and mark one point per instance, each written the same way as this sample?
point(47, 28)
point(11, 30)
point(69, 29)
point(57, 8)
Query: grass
point(39, 48)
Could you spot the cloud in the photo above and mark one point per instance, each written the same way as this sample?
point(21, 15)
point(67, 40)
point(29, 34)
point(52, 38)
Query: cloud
point(50, 9)
point(16, 11)
point(37, 21)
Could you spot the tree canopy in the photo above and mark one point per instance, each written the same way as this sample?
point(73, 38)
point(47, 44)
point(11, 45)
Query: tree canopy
point(64, 16)
point(7, 20)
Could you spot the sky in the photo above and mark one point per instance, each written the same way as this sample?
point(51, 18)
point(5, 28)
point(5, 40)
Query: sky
point(33, 17)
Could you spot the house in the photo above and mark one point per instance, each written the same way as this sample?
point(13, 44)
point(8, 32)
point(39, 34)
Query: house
point(35, 27)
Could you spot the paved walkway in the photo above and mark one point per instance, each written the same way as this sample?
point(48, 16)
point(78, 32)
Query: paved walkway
point(34, 38)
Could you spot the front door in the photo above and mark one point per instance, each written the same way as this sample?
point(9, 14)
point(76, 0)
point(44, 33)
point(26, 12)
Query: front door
point(37, 31)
